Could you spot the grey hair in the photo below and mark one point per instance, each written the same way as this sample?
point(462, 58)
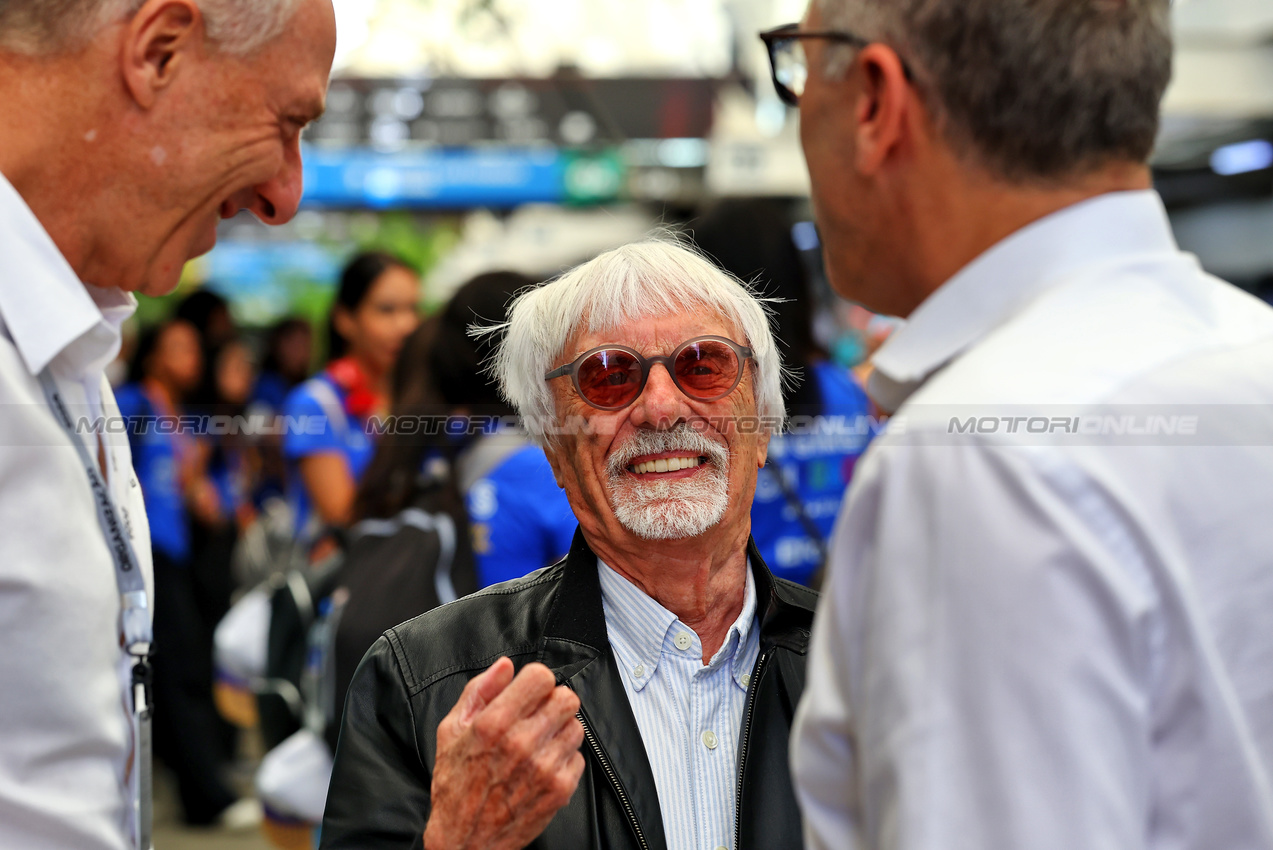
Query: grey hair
point(643, 280)
point(1034, 91)
point(41, 27)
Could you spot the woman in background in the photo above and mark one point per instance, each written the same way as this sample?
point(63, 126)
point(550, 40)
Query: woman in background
point(480, 471)
point(172, 469)
point(375, 311)
point(289, 346)
point(518, 517)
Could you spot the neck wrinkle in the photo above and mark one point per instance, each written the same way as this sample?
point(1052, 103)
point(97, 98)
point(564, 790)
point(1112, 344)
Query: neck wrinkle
point(703, 581)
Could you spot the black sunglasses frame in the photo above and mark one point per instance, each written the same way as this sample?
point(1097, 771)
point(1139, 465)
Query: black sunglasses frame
point(776, 37)
point(742, 352)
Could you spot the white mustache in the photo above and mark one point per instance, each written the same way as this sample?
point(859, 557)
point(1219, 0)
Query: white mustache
point(682, 438)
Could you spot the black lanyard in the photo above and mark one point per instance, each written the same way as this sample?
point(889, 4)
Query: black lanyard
point(135, 625)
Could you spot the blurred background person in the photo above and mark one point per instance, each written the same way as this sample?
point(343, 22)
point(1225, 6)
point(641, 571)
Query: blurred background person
point(800, 488)
point(288, 353)
point(375, 310)
point(287, 359)
point(519, 517)
point(172, 469)
point(233, 467)
point(209, 314)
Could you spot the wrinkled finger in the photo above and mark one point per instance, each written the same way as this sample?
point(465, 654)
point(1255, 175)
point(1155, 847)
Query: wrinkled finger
point(482, 689)
point(539, 728)
point(533, 685)
point(560, 710)
point(572, 772)
point(567, 738)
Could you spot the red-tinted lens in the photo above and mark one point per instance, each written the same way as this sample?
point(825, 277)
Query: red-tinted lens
point(610, 378)
point(706, 369)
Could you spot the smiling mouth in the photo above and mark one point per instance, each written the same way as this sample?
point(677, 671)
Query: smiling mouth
point(665, 465)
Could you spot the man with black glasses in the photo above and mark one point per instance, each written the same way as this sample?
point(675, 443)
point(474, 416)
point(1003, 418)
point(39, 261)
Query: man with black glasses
point(658, 666)
point(1047, 619)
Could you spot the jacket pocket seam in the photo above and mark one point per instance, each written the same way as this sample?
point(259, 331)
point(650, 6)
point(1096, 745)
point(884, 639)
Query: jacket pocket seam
point(478, 664)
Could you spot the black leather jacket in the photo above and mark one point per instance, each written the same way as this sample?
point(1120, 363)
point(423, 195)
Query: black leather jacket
point(413, 676)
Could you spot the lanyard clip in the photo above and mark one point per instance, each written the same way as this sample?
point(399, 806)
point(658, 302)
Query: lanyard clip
point(143, 683)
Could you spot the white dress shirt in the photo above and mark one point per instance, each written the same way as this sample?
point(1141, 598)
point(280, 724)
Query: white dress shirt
point(65, 724)
point(690, 715)
point(1049, 617)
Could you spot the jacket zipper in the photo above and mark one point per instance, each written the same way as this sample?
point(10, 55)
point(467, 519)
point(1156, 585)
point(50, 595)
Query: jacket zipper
point(742, 752)
point(614, 780)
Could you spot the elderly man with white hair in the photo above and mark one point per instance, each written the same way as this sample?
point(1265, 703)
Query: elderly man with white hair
point(131, 128)
point(658, 666)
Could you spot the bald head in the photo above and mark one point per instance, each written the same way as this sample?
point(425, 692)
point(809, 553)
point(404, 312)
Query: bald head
point(45, 27)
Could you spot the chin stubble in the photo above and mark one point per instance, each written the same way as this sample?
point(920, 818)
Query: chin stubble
point(669, 510)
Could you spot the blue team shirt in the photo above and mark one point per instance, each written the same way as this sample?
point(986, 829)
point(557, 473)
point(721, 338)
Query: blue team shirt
point(271, 390)
point(818, 466)
point(519, 518)
point(343, 434)
point(155, 462)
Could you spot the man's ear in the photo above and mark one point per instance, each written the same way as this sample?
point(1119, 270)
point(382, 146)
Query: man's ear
point(552, 451)
point(157, 42)
point(762, 448)
point(881, 107)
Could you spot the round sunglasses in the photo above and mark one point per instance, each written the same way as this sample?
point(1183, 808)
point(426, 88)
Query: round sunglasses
point(705, 368)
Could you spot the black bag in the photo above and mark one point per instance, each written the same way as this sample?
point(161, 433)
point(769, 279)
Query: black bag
point(396, 569)
point(296, 601)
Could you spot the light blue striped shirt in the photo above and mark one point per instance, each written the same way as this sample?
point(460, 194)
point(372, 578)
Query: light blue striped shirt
point(690, 716)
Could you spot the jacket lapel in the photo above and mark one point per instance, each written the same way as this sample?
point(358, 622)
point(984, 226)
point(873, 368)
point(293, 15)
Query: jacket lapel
point(578, 618)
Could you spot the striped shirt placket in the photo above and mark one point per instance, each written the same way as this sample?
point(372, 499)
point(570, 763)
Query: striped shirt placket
point(689, 715)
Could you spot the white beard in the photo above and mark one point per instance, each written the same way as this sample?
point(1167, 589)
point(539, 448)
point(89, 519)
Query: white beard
point(670, 510)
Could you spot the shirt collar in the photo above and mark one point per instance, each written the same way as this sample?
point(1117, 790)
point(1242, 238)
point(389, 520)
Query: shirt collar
point(1002, 281)
point(639, 627)
point(46, 309)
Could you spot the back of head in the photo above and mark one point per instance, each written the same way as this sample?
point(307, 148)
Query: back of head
point(1032, 90)
point(751, 239)
point(203, 308)
point(45, 27)
point(459, 360)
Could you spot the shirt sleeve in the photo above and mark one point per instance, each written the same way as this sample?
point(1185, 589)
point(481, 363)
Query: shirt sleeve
point(309, 429)
point(979, 669)
point(520, 517)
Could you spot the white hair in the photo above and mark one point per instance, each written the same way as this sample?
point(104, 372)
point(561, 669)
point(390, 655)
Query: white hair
point(644, 280)
point(41, 27)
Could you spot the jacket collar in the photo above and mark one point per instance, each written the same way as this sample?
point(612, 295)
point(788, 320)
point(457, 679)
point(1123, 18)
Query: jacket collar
point(578, 618)
point(1006, 278)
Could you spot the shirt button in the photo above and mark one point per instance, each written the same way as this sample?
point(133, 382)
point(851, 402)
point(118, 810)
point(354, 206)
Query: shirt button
point(638, 671)
point(746, 680)
point(709, 739)
point(683, 641)
point(722, 847)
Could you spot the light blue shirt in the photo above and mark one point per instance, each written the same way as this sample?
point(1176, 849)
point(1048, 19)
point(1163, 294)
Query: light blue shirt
point(690, 715)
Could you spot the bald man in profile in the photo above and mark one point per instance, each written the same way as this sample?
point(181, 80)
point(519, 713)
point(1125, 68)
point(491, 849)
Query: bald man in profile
point(132, 128)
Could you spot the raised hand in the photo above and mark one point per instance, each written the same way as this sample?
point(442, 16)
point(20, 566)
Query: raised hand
point(508, 759)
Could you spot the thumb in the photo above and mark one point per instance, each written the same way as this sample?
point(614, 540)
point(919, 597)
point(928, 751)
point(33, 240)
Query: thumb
point(483, 688)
